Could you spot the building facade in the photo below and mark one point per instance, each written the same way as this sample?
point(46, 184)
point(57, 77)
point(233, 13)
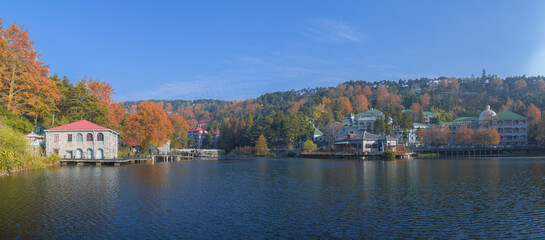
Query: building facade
point(512, 127)
point(81, 140)
point(365, 142)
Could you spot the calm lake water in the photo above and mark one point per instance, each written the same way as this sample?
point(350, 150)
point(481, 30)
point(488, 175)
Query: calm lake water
point(279, 198)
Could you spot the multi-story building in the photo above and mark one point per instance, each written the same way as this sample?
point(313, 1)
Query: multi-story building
point(196, 135)
point(81, 140)
point(512, 128)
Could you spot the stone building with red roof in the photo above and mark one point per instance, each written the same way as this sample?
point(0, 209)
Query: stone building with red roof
point(81, 140)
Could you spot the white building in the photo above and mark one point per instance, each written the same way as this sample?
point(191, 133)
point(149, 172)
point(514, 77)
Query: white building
point(81, 140)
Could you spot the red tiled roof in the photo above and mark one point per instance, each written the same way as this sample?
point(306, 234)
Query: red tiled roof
point(80, 125)
point(195, 129)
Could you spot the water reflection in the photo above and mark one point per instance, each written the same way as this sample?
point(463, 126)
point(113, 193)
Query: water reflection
point(279, 198)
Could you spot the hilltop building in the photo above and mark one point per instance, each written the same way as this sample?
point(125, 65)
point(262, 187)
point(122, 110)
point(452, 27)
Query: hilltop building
point(81, 140)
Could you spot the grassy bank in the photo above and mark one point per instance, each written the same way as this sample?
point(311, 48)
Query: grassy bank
point(16, 154)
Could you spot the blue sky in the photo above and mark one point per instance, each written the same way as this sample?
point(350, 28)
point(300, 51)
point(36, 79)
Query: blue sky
point(241, 49)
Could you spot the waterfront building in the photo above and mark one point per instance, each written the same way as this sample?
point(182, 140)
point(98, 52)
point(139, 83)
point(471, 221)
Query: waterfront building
point(365, 142)
point(512, 127)
point(81, 140)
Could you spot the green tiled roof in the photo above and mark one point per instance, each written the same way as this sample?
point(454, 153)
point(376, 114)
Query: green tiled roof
point(349, 125)
point(509, 115)
point(405, 110)
point(428, 112)
point(367, 119)
point(419, 125)
point(372, 110)
point(466, 119)
point(318, 132)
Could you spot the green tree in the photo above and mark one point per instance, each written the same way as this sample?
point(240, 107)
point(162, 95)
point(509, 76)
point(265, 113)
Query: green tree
point(208, 141)
point(309, 146)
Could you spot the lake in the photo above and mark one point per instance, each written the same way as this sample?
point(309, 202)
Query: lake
point(279, 198)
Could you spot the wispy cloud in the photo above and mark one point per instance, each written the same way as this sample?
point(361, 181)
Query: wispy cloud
point(332, 31)
point(200, 87)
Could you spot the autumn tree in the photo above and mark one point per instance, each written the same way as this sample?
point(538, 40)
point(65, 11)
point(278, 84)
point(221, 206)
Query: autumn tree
point(179, 134)
point(487, 136)
point(387, 101)
point(464, 135)
point(454, 84)
point(496, 83)
point(416, 109)
point(103, 91)
point(367, 91)
point(261, 146)
point(149, 126)
point(533, 113)
point(436, 135)
point(361, 104)
point(443, 84)
point(25, 87)
point(424, 100)
point(520, 85)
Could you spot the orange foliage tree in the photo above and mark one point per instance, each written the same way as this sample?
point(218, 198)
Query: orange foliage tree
point(487, 136)
point(425, 100)
point(25, 87)
point(367, 91)
point(149, 126)
point(520, 85)
point(296, 105)
point(179, 133)
point(464, 135)
point(387, 101)
point(415, 112)
point(436, 135)
point(103, 91)
point(361, 104)
point(342, 105)
point(533, 113)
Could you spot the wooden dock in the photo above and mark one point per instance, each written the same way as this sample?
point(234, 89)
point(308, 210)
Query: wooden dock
point(122, 161)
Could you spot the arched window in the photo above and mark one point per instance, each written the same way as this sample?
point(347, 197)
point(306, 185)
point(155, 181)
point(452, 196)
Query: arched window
point(89, 137)
point(100, 137)
point(79, 137)
point(100, 154)
point(89, 153)
point(79, 153)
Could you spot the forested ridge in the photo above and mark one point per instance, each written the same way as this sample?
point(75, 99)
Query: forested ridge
point(30, 96)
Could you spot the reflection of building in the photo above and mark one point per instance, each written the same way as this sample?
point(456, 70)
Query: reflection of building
point(81, 140)
point(511, 127)
point(365, 142)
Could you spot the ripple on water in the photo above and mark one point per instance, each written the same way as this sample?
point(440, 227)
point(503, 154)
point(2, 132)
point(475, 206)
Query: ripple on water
point(279, 198)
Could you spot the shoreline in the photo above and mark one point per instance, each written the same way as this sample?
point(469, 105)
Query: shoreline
point(26, 169)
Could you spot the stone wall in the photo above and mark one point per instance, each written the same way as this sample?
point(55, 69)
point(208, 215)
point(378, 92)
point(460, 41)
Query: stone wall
point(57, 141)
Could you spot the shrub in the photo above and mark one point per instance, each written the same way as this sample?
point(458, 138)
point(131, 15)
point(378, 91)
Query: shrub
point(388, 155)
